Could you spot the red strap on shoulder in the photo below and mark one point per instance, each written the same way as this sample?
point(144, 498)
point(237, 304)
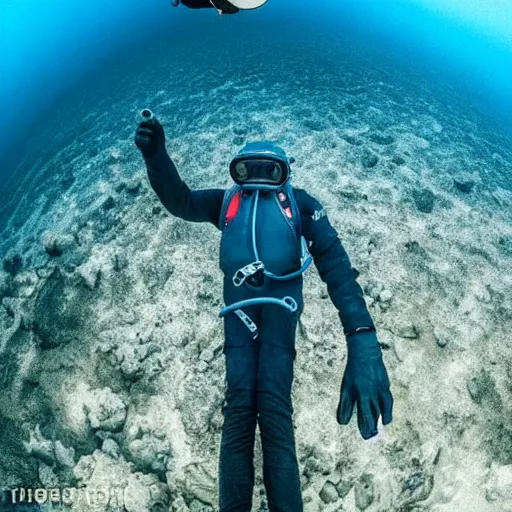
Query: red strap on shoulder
point(233, 207)
point(285, 204)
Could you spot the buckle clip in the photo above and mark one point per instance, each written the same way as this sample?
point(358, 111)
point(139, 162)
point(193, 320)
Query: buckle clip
point(248, 271)
point(246, 319)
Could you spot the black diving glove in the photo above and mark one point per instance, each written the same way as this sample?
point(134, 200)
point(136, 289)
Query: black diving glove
point(150, 137)
point(366, 383)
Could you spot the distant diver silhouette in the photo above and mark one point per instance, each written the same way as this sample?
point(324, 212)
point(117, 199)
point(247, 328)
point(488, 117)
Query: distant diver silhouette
point(271, 232)
point(222, 6)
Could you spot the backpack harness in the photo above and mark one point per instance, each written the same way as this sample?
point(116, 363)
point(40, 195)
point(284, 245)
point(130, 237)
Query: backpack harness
point(255, 271)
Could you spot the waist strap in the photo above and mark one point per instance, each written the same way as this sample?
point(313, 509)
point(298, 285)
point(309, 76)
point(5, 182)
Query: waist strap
point(286, 302)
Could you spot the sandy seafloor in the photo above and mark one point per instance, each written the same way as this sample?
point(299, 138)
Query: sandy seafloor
point(112, 371)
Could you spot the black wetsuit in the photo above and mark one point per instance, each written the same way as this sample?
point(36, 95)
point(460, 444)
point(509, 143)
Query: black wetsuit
point(259, 373)
point(196, 4)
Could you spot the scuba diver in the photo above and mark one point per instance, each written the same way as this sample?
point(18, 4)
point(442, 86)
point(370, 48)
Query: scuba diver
point(222, 6)
point(271, 232)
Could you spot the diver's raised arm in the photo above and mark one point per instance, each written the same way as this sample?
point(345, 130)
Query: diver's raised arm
point(173, 192)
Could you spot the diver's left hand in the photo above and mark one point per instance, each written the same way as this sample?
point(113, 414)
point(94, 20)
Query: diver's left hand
point(366, 383)
point(150, 137)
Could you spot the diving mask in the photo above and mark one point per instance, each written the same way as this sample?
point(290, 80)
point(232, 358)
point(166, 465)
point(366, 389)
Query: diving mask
point(260, 166)
point(258, 171)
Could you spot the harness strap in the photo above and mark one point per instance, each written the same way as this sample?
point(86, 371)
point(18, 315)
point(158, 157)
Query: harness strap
point(306, 260)
point(258, 266)
point(287, 302)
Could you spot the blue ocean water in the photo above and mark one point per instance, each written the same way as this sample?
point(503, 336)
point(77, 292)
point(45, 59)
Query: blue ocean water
point(49, 49)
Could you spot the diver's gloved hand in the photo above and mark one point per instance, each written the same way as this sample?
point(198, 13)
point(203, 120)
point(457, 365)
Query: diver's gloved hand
point(150, 137)
point(366, 383)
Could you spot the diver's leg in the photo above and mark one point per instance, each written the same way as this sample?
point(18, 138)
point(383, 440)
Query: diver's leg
point(275, 376)
point(236, 470)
